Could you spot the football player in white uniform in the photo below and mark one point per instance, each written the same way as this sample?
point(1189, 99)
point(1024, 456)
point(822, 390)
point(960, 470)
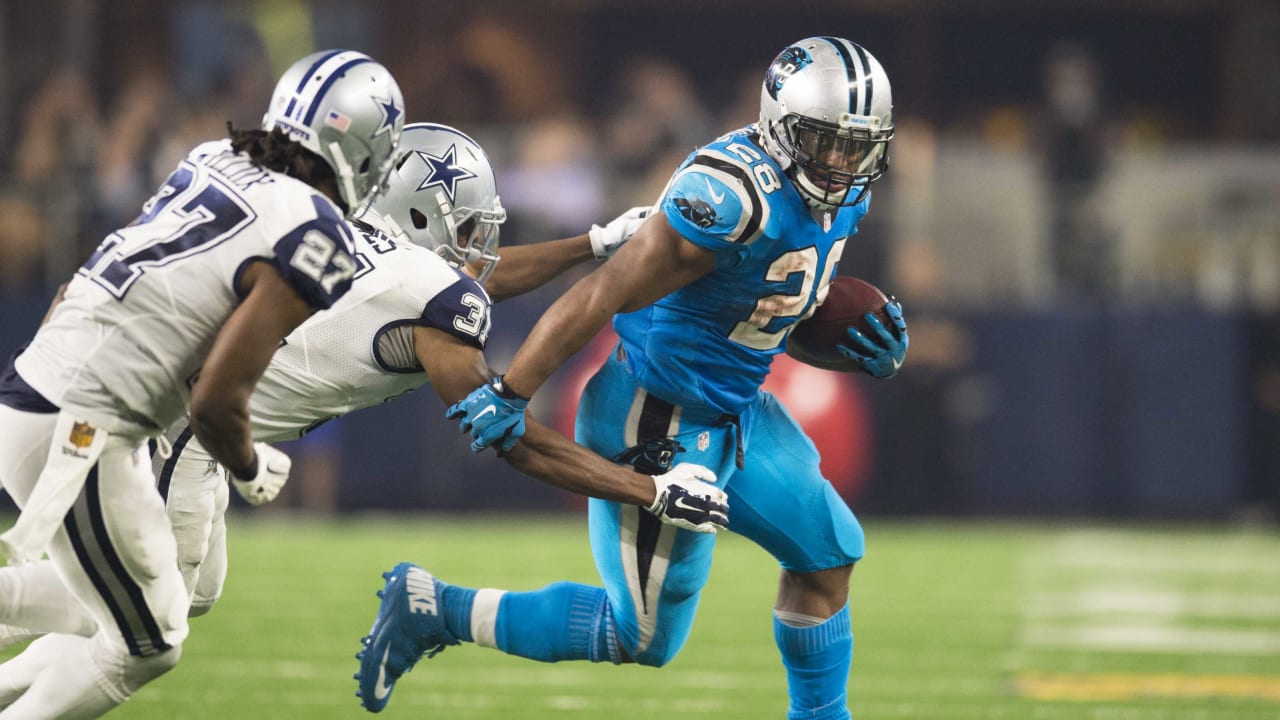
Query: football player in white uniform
point(409, 318)
point(394, 332)
point(180, 311)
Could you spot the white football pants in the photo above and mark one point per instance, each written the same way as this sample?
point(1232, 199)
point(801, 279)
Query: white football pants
point(117, 554)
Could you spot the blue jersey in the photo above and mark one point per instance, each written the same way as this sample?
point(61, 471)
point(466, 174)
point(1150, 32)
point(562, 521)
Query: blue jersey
point(711, 343)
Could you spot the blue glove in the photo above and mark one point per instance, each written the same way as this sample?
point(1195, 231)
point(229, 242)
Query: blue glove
point(491, 413)
point(882, 354)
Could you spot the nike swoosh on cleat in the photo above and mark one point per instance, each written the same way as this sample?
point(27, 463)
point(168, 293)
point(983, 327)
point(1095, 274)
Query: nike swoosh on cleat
point(715, 197)
point(486, 411)
point(381, 690)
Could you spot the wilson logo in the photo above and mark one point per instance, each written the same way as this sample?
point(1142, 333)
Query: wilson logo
point(422, 592)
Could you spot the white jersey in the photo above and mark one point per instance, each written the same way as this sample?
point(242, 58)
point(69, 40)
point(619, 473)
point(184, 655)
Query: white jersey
point(360, 352)
point(126, 343)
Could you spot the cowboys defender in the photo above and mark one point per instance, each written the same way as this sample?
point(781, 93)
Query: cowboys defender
point(389, 335)
point(751, 229)
point(243, 241)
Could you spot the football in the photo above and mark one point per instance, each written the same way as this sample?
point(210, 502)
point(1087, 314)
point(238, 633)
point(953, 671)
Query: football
point(849, 299)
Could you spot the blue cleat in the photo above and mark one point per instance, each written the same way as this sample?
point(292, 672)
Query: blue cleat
point(408, 626)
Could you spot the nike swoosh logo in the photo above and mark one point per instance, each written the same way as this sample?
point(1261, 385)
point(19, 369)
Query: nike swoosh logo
point(382, 689)
point(680, 503)
point(486, 411)
point(715, 197)
point(896, 363)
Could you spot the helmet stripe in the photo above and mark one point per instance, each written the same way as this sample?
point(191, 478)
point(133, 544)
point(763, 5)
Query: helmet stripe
point(438, 126)
point(866, 73)
point(328, 82)
point(859, 73)
point(854, 78)
point(314, 67)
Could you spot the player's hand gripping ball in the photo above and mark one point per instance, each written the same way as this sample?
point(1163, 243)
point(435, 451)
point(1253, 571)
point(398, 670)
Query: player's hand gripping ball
point(857, 328)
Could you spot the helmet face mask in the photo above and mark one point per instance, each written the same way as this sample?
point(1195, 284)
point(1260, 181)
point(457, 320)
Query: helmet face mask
point(830, 160)
point(826, 117)
point(442, 195)
point(346, 108)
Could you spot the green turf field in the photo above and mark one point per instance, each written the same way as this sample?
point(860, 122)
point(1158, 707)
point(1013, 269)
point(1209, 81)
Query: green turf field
point(963, 621)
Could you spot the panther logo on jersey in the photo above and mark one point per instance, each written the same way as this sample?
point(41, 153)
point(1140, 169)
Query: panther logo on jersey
point(697, 212)
point(788, 63)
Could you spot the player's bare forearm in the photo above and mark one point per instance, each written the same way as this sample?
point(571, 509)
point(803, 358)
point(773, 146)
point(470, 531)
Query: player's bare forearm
point(455, 368)
point(239, 356)
point(657, 261)
point(528, 267)
point(556, 460)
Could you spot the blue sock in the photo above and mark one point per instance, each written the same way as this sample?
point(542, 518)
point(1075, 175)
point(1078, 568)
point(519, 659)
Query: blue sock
point(817, 660)
point(456, 602)
point(562, 621)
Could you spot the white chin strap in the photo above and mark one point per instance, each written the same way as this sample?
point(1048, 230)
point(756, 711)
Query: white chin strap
point(346, 177)
point(812, 192)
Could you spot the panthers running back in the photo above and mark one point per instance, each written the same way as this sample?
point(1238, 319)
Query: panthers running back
point(183, 307)
point(750, 232)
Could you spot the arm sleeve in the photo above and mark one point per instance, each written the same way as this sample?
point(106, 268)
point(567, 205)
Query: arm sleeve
point(317, 258)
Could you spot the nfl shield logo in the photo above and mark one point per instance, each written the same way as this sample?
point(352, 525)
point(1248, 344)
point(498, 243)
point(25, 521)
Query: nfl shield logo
point(704, 441)
point(81, 435)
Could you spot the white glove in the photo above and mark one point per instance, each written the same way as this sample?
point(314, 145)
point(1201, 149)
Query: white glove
point(687, 500)
point(606, 240)
point(272, 472)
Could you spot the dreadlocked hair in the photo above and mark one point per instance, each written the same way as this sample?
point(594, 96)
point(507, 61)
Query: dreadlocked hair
point(274, 150)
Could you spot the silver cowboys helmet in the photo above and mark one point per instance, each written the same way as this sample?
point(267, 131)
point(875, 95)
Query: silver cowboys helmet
point(442, 195)
point(826, 116)
point(346, 108)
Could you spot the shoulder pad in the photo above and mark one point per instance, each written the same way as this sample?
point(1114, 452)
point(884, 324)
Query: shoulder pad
point(715, 195)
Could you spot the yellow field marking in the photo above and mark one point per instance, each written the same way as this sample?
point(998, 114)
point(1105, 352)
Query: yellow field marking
point(1100, 686)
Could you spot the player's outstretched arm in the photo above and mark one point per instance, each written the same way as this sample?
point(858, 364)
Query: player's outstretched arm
point(654, 263)
point(528, 267)
point(683, 497)
point(240, 354)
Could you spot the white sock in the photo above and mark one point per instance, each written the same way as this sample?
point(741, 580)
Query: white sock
point(797, 620)
point(67, 689)
point(33, 597)
point(21, 671)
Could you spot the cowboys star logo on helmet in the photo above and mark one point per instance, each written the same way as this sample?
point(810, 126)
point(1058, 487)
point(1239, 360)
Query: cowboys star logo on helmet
point(444, 171)
point(346, 108)
point(458, 220)
point(390, 113)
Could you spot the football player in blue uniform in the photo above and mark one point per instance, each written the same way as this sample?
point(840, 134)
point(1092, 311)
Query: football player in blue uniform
point(748, 237)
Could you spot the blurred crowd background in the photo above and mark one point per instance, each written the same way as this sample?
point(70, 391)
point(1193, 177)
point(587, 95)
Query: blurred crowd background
point(1081, 217)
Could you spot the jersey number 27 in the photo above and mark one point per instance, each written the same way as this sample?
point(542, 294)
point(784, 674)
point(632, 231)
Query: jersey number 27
point(200, 217)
